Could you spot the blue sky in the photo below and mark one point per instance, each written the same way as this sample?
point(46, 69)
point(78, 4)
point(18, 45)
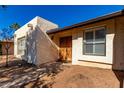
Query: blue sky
point(61, 15)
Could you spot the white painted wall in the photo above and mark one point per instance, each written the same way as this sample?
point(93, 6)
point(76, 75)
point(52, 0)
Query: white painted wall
point(36, 39)
point(21, 33)
point(77, 50)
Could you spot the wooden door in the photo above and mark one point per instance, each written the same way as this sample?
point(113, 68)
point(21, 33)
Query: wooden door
point(66, 48)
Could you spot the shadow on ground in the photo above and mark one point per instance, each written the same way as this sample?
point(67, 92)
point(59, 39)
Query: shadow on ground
point(120, 76)
point(21, 74)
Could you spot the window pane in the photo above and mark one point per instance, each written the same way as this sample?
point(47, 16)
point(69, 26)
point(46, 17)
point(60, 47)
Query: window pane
point(88, 48)
point(23, 44)
point(100, 49)
point(100, 35)
point(89, 36)
point(94, 42)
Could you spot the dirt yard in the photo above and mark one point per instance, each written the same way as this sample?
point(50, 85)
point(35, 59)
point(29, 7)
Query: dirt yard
point(3, 58)
point(56, 75)
point(80, 76)
point(19, 74)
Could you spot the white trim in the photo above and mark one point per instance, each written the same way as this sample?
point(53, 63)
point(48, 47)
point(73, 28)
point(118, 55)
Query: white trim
point(93, 29)
point(77, 40)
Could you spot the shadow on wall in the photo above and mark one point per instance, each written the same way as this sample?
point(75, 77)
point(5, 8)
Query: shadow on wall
point(31, 50)
point(39, 48)
point(116, 63)
point(120, 77)
point(118, 50)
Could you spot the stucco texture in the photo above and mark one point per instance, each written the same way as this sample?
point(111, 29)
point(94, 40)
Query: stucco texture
point(39, 48)
point(114, 44)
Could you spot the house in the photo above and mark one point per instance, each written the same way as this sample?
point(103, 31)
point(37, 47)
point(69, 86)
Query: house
point(32, 44)
point(3, 45)
point(97, 42)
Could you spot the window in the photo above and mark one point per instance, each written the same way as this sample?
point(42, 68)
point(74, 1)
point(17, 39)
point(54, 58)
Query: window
point(94, 42)
point(21, 45)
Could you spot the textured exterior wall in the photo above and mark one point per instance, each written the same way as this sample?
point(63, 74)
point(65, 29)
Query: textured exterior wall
point(22, 32)
point(114, 43)
point(38, 45)
point(109, 24)
point(55, 37)
point(77, 45)
point(119, 44)
point(47, 51)
point(45, 25)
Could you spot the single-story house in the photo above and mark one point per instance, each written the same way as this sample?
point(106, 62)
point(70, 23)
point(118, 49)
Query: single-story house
point(9, 44)
point(97, 42)
point(32, 44)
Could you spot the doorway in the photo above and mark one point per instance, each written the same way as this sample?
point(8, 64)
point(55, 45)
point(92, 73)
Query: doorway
point(66, 49)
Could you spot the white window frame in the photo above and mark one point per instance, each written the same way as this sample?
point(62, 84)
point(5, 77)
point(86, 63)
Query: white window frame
point(94, 42)
point(22, 50)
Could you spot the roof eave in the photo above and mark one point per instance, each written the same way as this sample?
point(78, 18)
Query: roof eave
point(105, 17)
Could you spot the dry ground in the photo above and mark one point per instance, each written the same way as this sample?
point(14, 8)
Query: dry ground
point(80, 76)
point(21, 74)
point(3, 58)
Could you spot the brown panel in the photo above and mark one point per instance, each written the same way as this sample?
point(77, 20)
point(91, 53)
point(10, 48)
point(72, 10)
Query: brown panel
point(66, 48)
point(11, 49)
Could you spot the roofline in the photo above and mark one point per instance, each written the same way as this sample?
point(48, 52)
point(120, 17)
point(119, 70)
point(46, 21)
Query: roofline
point(105, 17)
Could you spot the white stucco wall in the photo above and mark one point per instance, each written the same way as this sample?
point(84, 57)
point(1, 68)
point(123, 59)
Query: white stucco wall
point(22, 32)
point(114, 44)
point(77, 46)
point(77, 50)
point(47, 51)
point(32, 40)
